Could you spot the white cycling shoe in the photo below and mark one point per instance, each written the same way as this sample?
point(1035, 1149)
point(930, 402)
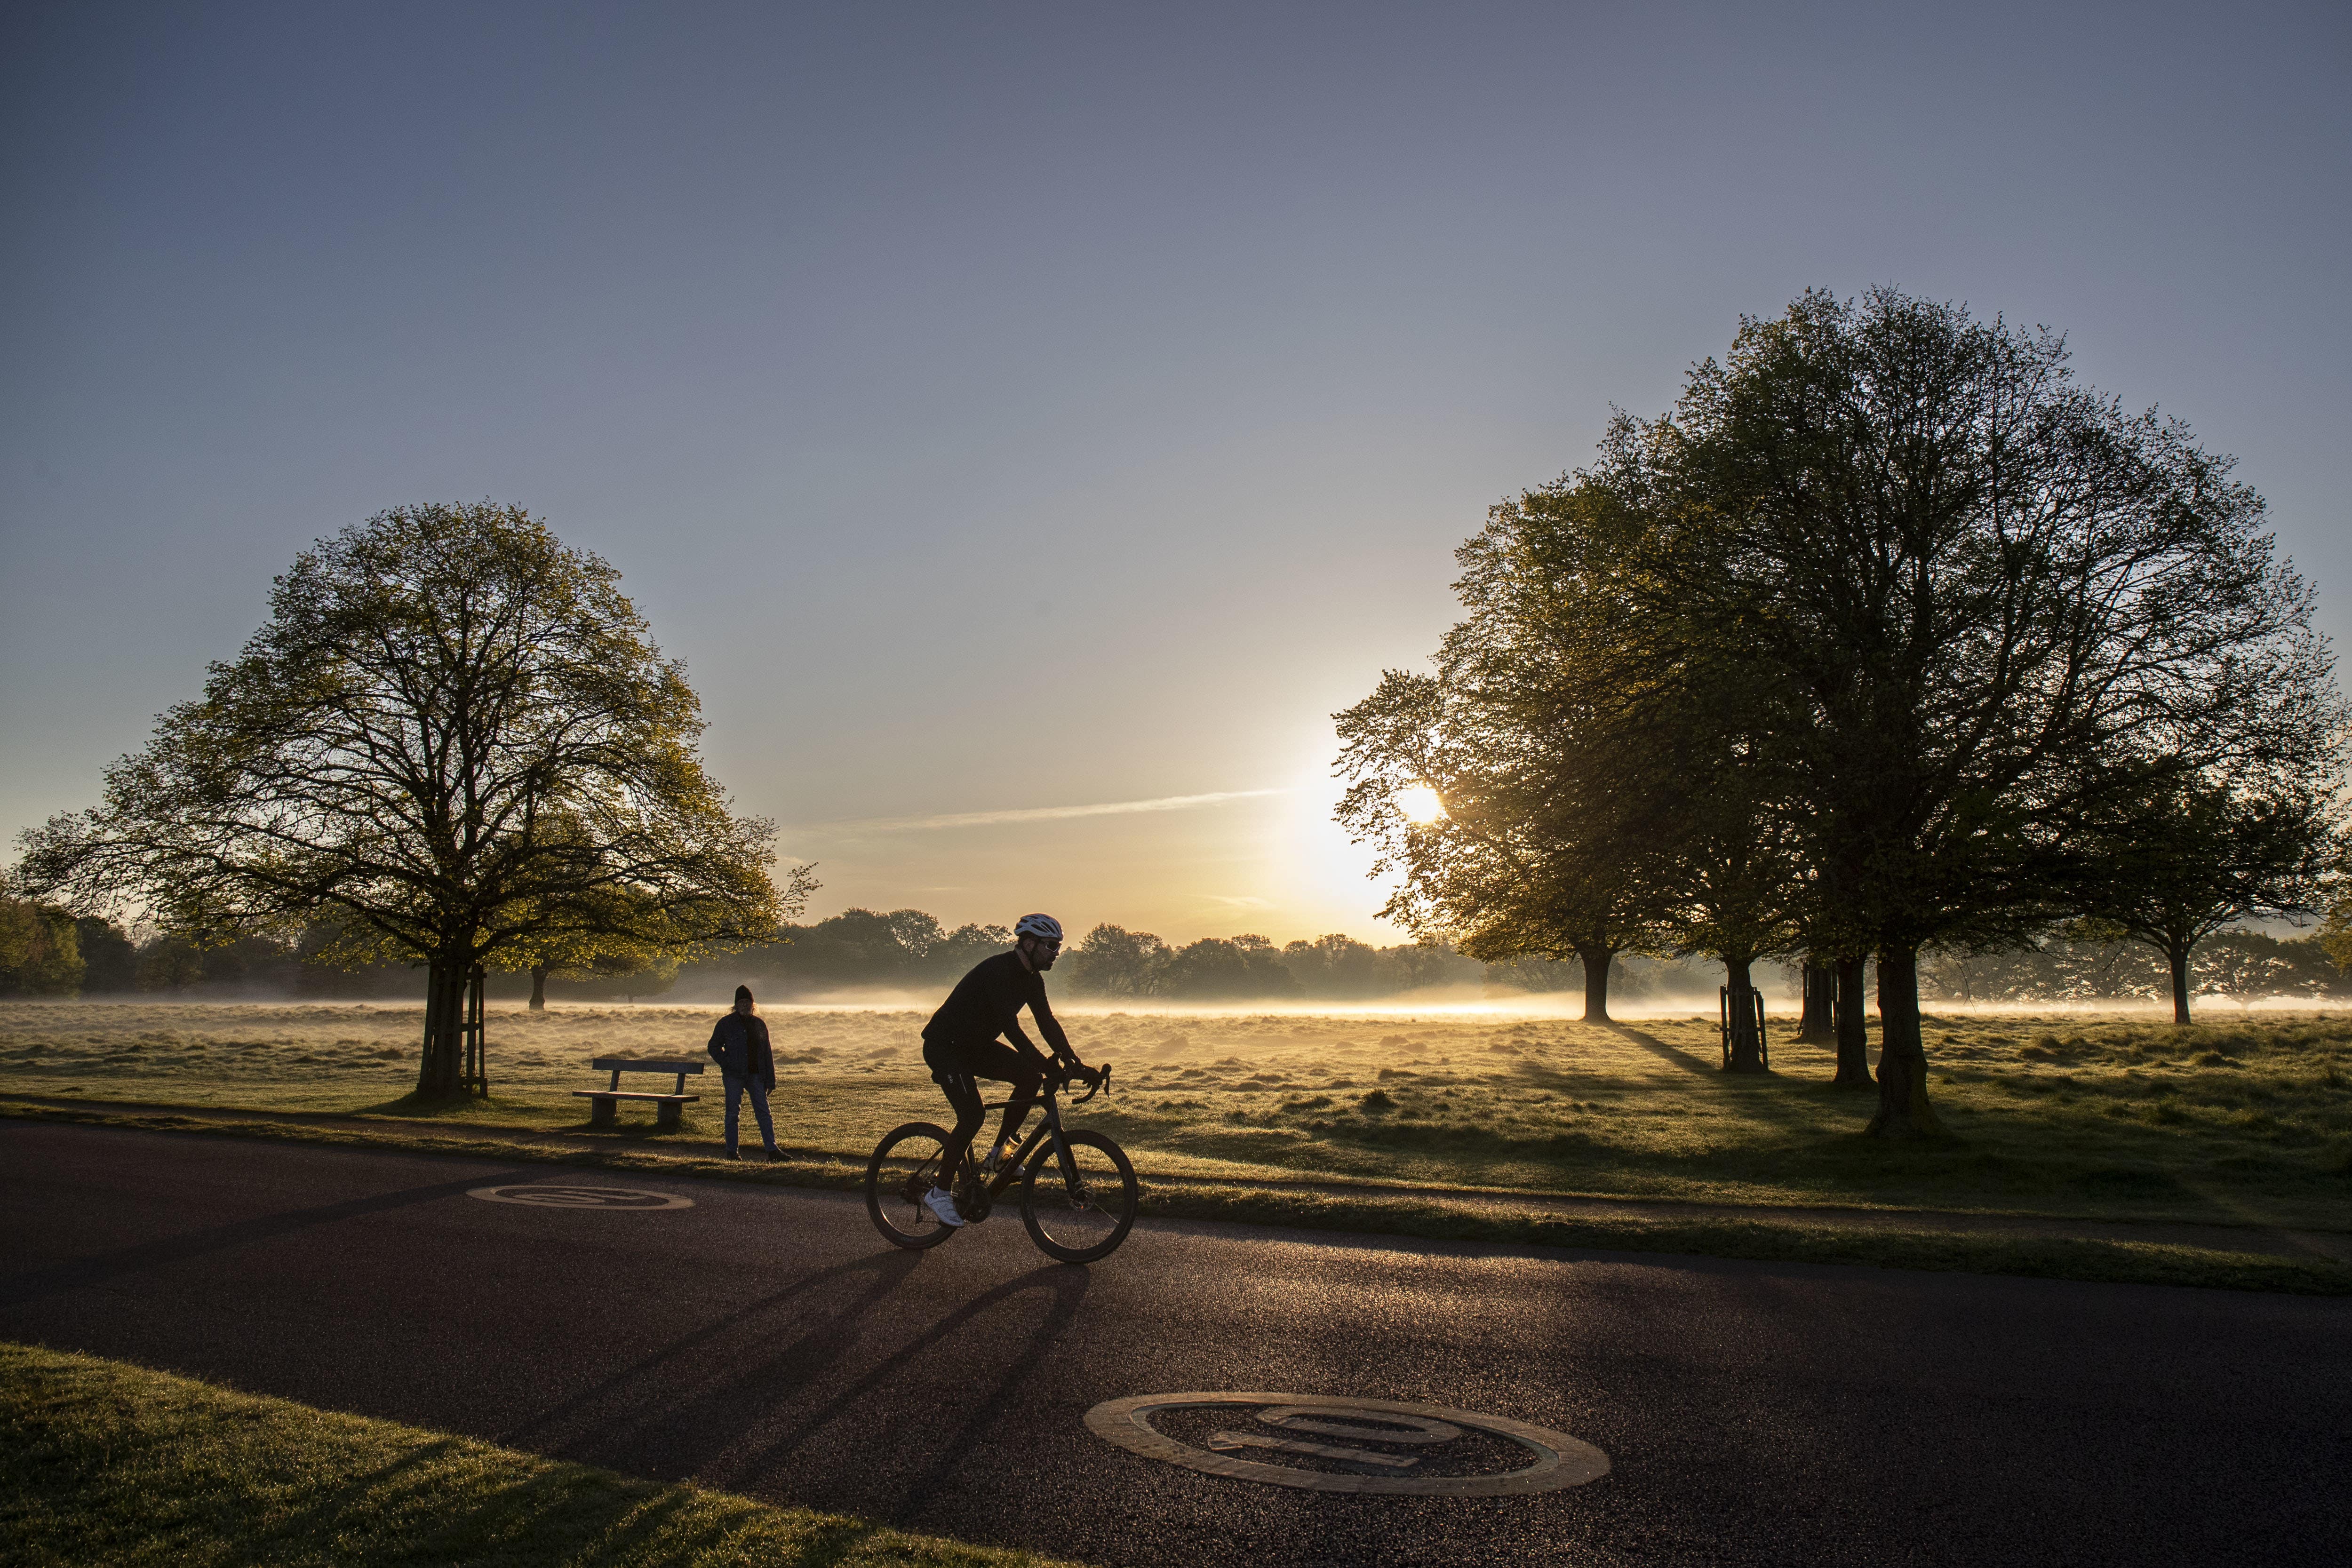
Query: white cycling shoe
point(943, 1203)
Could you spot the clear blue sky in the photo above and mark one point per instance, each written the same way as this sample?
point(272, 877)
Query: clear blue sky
point(1162, 353)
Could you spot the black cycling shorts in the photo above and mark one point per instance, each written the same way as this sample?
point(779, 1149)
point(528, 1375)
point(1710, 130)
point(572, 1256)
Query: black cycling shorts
point(976, 1059)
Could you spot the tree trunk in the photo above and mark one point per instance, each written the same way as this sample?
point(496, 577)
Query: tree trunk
point(1852, 1028)
point(1818, 1024)
point(538, 990)
point(2177, 955)
point(1747, 1044)
point(442, 1075)
point(1902, 1108)
point(1596, 963)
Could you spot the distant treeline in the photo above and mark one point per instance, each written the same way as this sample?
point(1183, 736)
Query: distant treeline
point(44, 952)
point(903, 950)
point(47, 953)
point(2242, 965)
point(908, 950)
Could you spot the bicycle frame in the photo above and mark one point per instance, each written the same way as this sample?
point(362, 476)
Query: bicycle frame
point(1049, 1125)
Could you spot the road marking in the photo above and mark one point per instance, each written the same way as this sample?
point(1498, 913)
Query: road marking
point(544, 1196)
point(1560, 1460)
point(1226, 1441)
point(1415, 1429)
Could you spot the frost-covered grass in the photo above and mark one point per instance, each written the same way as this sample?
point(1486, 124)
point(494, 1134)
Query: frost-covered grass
point(2247, 1120)
point(103, 1462)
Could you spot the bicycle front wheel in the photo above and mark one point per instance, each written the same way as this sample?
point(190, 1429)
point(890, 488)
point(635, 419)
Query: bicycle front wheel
point(1082, 1220)
point(905, 1166)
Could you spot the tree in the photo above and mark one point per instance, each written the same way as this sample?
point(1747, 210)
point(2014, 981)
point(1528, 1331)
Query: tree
point(1737, 909)
point(613, 935)
point(958, 950)
point(1334, 966)
point(1217, 969)
point(573, 955)
point(2245, 972)
point(40, 952)
point(453, 737)
point(110, 960)
point(1983, 588)
point(170, 962)
point(1816, 1021)
point(1113, 961)
point(2171, 860)
point(2335, 934)
point(1850, 1023)
point(1544, 836)
point(1734, 868)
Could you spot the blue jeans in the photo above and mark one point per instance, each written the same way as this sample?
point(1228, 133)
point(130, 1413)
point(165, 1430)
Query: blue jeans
point(735, 1087)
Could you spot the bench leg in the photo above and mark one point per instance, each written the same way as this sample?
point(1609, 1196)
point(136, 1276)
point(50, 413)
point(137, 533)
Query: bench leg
point(665, 1117)
point(602, 1117)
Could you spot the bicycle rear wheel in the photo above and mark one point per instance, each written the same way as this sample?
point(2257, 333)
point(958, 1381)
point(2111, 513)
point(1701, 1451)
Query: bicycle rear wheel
point(1079, 1223)
point(905, 1166)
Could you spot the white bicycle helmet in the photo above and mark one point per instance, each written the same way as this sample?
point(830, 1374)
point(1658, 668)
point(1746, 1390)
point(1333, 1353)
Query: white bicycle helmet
point(1044, 926)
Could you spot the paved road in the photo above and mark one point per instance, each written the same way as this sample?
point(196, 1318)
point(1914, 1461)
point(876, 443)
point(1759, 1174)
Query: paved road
point(765, 1341)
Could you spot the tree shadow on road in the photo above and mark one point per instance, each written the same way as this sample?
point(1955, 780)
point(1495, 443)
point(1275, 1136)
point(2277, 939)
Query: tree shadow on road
point(653, 1404)
point(142, 1257)
point(981, 1407)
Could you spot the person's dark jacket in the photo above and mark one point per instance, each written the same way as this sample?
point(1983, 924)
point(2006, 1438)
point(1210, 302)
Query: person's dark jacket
point(987, 1002)
point(740, 1046)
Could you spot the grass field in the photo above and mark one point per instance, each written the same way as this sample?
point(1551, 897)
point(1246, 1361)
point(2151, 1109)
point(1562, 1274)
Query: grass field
point(102, 1462)
point(2244, 1121)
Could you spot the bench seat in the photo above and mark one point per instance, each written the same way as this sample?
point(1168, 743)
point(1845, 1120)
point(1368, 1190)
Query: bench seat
point(666, 1107)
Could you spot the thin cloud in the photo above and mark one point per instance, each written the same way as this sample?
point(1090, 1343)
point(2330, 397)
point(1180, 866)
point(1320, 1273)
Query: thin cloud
point(1047, 813)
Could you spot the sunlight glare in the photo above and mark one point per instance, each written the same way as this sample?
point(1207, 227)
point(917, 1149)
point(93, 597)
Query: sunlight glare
point(1420, 804)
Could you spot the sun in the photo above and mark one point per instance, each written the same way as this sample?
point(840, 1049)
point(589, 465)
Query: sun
point(1420, 804)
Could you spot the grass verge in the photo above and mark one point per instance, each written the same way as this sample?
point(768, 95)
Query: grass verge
point(1486, 1218)
point(105, 1462)
point(1768, 1239)
point(2241, 1122)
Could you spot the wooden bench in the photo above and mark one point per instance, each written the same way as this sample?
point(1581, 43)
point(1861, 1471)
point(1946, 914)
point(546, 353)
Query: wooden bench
point(665, 1118)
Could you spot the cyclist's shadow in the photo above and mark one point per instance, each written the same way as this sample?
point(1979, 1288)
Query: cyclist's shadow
point(1068, 1286)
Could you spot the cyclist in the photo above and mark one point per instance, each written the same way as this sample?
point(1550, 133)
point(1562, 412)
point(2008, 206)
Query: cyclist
point(962, 1043)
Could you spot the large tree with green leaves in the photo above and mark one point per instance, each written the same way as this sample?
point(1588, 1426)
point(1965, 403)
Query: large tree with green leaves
point(40, 952)
point(1550, 841)
point(2171, 860)
point(1983, 586)
point(456, 740)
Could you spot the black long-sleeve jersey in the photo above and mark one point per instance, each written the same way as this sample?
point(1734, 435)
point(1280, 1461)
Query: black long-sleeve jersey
point(986, 1005)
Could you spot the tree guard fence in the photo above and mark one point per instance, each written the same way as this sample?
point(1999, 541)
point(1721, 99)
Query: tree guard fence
point(477, 1077)
point(1735, 1019)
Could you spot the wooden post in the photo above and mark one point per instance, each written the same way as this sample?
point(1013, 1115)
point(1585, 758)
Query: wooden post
point(477, 1079)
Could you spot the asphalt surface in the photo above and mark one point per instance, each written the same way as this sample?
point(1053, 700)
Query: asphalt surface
point(2276, 1240)
point(766, 1342)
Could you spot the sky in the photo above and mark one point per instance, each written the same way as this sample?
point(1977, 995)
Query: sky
point(1031, 423)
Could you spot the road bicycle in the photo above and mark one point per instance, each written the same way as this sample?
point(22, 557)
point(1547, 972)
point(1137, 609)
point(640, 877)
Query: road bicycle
point(1078, 1190)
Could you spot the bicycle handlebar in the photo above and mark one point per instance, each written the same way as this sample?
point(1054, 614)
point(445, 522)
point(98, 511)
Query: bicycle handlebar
point(1094, 1089)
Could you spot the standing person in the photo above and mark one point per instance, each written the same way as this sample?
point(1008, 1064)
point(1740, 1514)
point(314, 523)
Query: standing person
point(961, 1044)
point(739, 1045)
